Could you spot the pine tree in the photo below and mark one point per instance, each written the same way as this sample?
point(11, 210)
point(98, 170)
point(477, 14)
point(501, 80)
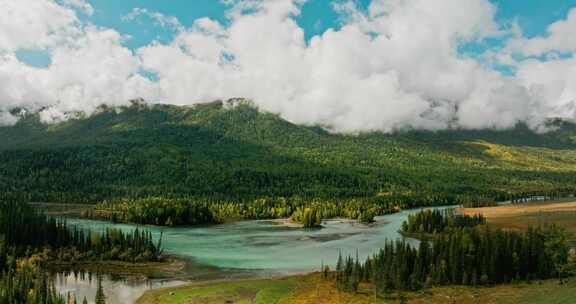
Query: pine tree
point(469, 256)
point(340, 271)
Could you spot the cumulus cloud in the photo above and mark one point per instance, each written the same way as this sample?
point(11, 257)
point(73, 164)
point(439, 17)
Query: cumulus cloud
point(34, 24)
point(81, 5)
point(89, 66)
point(553, 83)
point(159, 18)
point(393, 65)
point(547, 66)
point(559, 38)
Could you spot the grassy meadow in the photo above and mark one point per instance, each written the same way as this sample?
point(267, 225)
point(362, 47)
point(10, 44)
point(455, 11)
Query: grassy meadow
point(313, 289)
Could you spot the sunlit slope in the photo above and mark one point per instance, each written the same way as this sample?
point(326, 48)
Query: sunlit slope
point(237, 152)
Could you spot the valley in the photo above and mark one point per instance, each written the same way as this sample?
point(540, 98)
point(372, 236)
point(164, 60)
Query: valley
point(252, 207)
point(252, 249)
point(264, 261)
point(315, 288)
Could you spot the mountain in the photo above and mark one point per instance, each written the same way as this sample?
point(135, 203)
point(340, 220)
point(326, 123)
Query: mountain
point(230, 150)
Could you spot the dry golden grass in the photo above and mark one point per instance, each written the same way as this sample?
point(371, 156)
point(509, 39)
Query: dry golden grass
point(522, 209)
point(519, 217)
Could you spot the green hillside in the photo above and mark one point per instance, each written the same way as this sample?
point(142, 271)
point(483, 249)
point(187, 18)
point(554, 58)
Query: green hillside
point(235, 153)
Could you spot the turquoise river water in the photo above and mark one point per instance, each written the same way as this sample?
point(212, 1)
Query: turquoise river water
point(247, 248)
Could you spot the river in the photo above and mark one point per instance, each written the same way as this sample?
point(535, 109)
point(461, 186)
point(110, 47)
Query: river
point(247, 248)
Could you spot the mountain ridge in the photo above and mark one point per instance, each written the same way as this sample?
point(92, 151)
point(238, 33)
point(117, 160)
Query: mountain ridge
point(220, 150)
point(209, 115)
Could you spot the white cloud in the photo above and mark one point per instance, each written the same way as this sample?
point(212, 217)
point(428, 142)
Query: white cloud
point(551, 79)
point(560, 37)
point(82, 5)
point(7, 119)
point(96, 70)
point(394, 65)
point(553, 82)
point(89, 66)
point(160, 19)
point(33, 24)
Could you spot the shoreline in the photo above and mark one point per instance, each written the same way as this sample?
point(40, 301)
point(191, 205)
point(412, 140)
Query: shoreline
point(146, 270)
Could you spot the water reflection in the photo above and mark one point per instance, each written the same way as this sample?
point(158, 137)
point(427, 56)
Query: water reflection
point(117, 289)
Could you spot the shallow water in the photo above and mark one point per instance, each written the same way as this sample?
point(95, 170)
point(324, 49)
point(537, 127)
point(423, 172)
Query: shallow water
point(118, 290)
point(257, 247)
point(269, 245)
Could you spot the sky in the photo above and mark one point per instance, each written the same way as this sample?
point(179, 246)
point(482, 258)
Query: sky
point(351, 66)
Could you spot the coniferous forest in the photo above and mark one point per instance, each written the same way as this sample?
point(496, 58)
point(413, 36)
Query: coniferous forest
point(175, 212)
point(467, 256)
point(29, 241)
point(438, 221)
point(219, 161)
point(214, 163)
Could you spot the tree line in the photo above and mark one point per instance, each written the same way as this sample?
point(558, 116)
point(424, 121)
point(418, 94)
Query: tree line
point(438, 221)
point(29, 241)
point(177, 212)
point(162, 211)
point(519, 198)
point(469, 256)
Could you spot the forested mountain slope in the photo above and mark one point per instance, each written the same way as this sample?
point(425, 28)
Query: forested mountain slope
point(236, 152)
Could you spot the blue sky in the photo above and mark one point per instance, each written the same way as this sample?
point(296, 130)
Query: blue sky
point(533, 16)
point(317, 15)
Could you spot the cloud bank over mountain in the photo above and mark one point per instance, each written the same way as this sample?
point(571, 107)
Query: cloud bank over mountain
point(396, 64)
